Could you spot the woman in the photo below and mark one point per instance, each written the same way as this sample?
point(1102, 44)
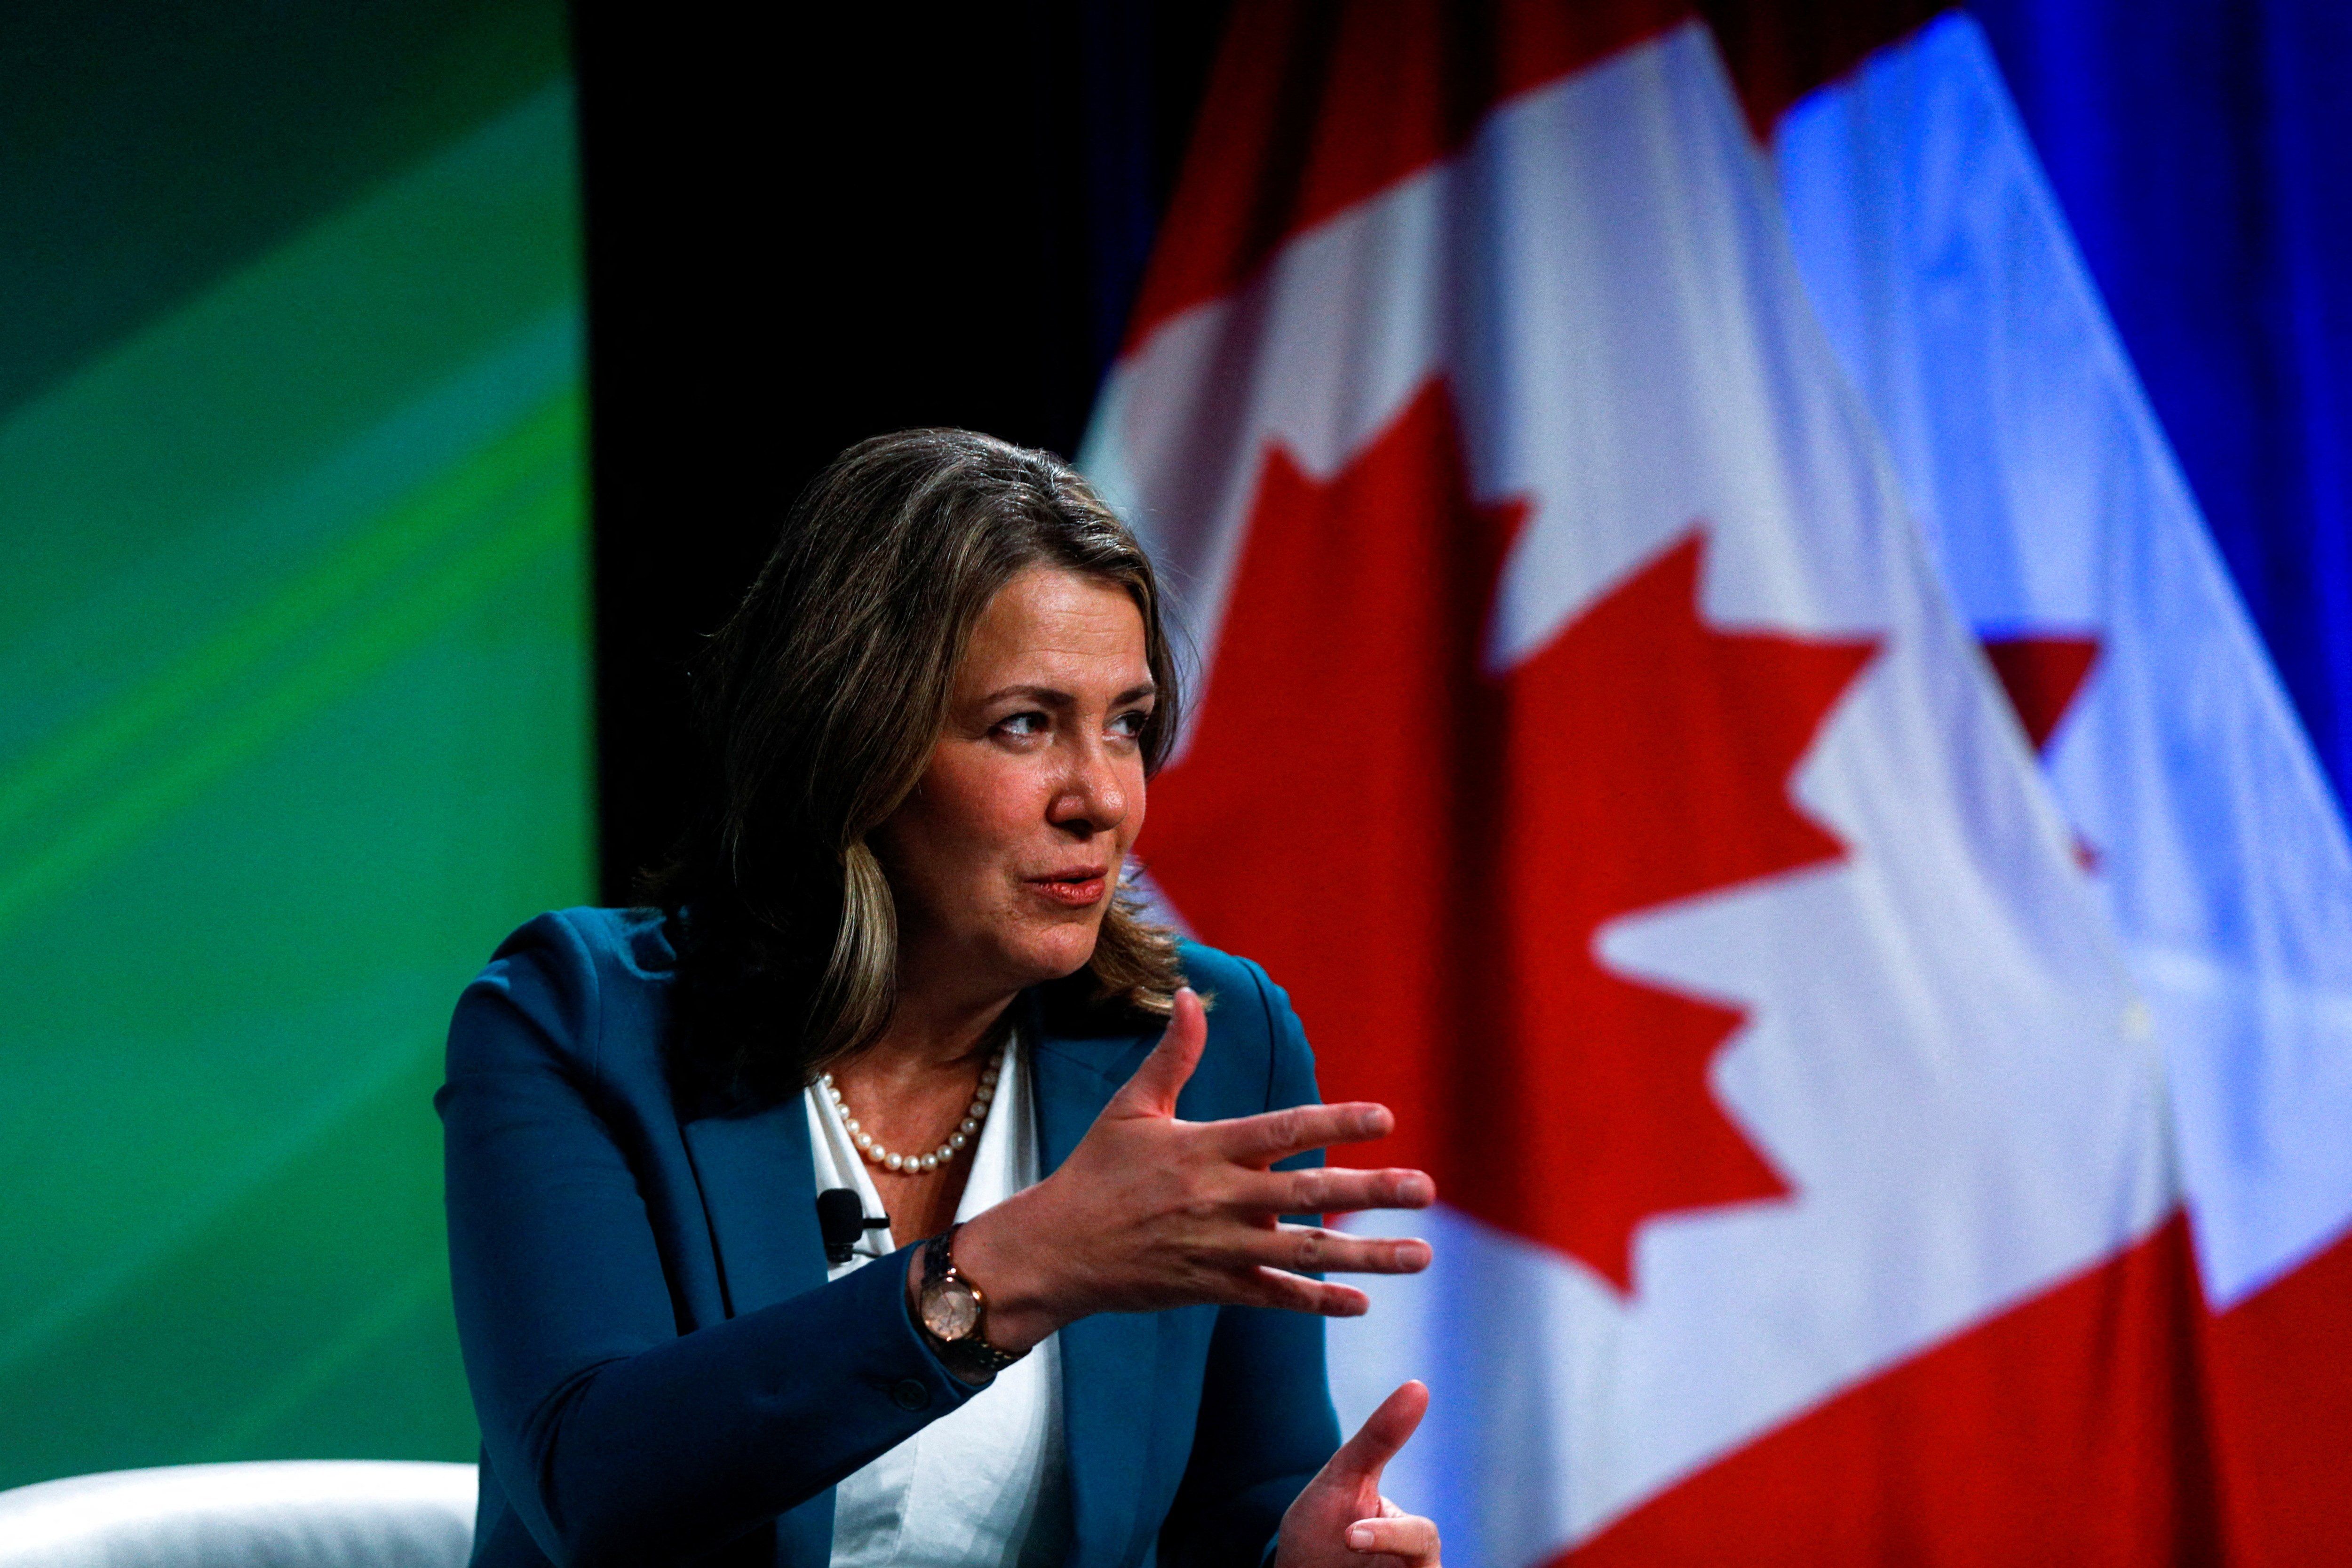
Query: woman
point(1051, 1315)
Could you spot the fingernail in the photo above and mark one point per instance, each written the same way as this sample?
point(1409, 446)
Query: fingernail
point(1361, 1537)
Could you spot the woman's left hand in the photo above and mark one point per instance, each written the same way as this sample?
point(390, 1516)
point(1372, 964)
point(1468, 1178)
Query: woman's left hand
point(1341, 1521)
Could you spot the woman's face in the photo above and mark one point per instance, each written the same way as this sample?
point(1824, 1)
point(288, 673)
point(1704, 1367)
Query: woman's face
point(1004, 858)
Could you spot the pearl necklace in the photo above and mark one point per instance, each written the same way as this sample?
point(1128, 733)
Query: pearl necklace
point(966, 1132)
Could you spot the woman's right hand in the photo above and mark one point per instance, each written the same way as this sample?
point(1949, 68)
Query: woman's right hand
point(1149, 1212)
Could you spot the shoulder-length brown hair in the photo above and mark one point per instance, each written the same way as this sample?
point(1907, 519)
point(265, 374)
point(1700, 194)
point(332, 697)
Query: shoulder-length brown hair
point(819, 702)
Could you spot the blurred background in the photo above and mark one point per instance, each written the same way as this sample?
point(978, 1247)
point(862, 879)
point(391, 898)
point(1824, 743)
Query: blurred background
point(392, 393)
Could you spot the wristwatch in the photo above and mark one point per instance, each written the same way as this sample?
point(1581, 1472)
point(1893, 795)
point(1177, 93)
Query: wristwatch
point(954, 1315)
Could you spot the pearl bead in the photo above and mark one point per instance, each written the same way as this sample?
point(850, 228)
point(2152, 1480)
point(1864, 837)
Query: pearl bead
point(966, 1132)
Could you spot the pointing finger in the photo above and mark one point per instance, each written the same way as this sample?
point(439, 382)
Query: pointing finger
point(1385, 1431)
point(1153, 1091)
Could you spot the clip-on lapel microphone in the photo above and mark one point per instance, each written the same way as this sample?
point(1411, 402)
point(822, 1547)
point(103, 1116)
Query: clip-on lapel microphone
point(841, 1219)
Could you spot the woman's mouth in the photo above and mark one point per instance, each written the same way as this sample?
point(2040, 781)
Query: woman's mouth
point(1075, 887)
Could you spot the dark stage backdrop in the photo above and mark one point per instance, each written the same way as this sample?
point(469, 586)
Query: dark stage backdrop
point(802, 234)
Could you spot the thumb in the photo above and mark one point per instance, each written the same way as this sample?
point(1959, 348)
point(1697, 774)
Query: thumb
point(1385, 1431)
point(1153, 1091)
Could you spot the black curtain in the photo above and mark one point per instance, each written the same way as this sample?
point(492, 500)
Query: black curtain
point(804, 232)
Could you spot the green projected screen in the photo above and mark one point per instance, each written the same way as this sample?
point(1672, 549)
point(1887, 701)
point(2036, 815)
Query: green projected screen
point(294, 700)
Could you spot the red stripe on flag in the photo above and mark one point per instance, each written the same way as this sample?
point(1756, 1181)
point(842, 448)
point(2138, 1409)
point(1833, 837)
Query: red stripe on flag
point(2066, 1430)
point(1313, 107)
point(2282, 1411)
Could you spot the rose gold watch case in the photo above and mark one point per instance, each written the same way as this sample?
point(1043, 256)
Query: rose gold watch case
point(951, 1309)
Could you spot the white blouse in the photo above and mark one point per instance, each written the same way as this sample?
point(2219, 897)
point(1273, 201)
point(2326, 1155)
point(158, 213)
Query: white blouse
point(984, 1485)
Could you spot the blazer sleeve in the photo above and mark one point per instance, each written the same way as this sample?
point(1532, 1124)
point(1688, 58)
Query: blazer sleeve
point(1266, 1423)
point(615, 1438)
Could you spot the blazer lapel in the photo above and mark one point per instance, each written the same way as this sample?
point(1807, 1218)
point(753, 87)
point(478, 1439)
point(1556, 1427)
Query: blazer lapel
point(1108, 1360)
point(759, 1192)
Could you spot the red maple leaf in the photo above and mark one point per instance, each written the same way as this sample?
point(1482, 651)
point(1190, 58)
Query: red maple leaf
point(1424, 854)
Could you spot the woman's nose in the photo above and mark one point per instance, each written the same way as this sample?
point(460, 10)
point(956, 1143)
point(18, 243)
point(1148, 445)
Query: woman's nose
point(1093, 794)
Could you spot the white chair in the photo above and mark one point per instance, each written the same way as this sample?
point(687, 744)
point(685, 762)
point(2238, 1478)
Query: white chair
point(296, 1514)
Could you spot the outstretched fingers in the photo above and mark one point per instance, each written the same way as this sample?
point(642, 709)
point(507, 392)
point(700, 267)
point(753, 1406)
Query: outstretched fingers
point(1266, 1286)
point(1311, 1249)
point(1272, 1135)
point(1335, 1189)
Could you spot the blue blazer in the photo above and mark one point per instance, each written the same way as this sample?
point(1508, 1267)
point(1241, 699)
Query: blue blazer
point(661, 1372)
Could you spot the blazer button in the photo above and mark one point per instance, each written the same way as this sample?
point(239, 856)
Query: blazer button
point(908, 1394)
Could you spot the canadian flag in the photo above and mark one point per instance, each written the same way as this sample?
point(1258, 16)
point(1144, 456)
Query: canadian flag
point(1586, 740)
point(1941, 266)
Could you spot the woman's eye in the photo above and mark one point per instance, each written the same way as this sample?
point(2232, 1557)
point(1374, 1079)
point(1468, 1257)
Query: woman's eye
point(1130, 725)
point(1022, 724)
